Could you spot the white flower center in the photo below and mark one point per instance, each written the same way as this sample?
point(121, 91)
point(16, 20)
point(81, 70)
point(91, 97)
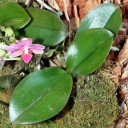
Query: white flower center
point(26, 50)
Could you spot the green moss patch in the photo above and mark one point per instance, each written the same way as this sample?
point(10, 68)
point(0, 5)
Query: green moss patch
point(93, 104)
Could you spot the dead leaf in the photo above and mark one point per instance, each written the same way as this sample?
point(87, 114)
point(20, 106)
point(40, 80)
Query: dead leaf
point(117, 1)
point(123, 55)
point(125, 2)
point(117, 69)
point(125, 73)
point(121, 124)
point(117, 73)
point(54, 4)
point(69, 6)
point(6, 94)
point(86, 5)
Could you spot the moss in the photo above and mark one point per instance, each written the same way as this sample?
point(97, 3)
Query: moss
point(97, 101)
point(93, 104)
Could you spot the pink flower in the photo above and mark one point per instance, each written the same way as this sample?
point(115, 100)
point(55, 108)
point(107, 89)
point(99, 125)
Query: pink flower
point(25, 48)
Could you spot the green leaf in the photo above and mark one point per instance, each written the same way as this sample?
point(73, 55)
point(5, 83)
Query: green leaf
point(46, 27)
point(13, 15)
point(88, 51)
point(40, 96)
point(106, 16)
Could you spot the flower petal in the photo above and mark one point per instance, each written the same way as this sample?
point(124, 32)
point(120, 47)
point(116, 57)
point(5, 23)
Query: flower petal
point(15, 47)
point(26, 57)
point(4, 47)
point(20, 45)
point(16, 53)
point(37, 48)
point(25, 41)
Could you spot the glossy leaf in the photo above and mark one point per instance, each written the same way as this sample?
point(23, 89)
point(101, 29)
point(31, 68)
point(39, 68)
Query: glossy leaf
point(46, 27)
point(13, 15)
point(106, 15)
point(40, 96)
point(88, 51)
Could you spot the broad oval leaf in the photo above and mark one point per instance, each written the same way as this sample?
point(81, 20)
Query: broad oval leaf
point(46, 27)
point(40, 96)
point(88, 51)
point(106, 16)
point(13, 15)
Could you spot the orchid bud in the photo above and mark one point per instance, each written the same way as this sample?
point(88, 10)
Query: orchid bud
point(3, 47)
point(9, 32)
point(2, 53)
point(12, 39)
point(2, 28)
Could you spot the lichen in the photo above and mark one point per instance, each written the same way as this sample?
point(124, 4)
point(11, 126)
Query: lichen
point(93, 104)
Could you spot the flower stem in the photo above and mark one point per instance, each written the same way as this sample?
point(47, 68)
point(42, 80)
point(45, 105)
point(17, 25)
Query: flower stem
point(16, 58)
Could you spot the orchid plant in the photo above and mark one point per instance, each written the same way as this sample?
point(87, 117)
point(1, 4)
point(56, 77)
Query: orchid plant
point(25, 48)
point(42, 94)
